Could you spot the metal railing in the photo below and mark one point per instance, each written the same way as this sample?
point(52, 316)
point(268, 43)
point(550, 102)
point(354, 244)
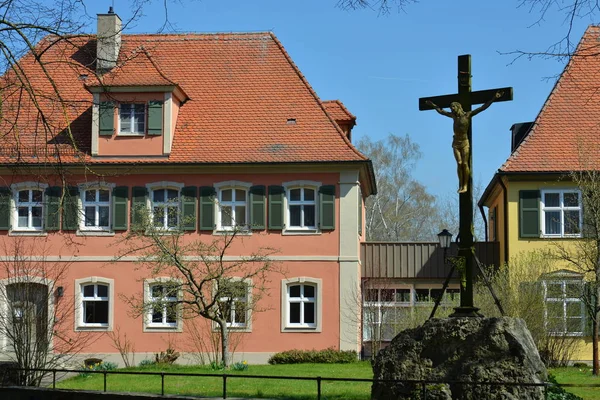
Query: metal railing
point(422, 384)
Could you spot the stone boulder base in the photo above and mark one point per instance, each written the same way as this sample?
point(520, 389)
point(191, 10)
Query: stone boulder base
point(461, 349)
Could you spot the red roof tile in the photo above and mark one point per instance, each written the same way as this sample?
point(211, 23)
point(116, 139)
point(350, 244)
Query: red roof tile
point(338, 111)
point(566, 132)
point(243, 88)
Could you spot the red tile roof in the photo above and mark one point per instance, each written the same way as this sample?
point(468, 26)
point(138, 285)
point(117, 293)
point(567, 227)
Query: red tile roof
point(566, 132)
point(338, 111)
point(243, 88)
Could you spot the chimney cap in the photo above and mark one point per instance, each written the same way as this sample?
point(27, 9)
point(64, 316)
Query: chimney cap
point(111, 10)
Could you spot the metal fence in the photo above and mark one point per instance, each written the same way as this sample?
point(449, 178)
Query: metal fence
point(421, 385)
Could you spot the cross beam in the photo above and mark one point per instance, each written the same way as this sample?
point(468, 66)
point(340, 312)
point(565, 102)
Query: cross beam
point(466, 248)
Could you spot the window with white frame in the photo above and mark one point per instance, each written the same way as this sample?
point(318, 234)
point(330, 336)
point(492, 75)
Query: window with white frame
point(96, 209)
point(95, 305)
point(561, 213)
point(302, 311)
point(162, 300)
point(165, 208)
point(302, 207)
point(564, 308)
point(132, 118)
point(233, 209)
point(29, 209)
point(233, 303)
point(387, 311)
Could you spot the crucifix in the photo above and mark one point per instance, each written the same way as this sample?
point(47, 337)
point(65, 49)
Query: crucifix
point(460, 105)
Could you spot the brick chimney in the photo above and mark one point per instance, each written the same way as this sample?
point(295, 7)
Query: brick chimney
point(108, 41)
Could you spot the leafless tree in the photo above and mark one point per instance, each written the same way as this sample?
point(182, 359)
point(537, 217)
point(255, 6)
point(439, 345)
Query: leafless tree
point(205, 279)
point(36, 327)
point(381, 6)
point(402, 208)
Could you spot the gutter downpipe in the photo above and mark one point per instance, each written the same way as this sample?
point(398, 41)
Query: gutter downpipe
point(505, 195)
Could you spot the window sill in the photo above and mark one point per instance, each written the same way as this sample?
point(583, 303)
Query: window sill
point(241, 329)
point(561, 237)
point(94, 328)
point(301, 232)
point(225, 232)
point(121, 134)
point(28, 233)
point(162, 329)
point(307, 329)
point(95, 233)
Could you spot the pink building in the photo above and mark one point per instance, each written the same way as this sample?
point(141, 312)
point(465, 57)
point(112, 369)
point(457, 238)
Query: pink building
point(222, 127)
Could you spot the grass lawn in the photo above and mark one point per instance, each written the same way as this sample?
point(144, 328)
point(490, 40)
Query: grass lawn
point(283, 389)
point(239, 387)
point(576, 375)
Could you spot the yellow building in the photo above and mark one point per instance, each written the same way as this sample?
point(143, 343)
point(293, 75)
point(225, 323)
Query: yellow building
point(532, 202)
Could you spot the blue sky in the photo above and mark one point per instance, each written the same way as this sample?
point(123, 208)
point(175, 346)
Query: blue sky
point(379, 65)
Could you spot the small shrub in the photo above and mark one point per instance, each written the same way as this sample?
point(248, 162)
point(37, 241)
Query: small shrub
point(555, 392)
point(327, 356)
point(240, 366)
point(166, 357)
point(217, 366)
point(147, 363)
point(99, 366)
point(580, 365)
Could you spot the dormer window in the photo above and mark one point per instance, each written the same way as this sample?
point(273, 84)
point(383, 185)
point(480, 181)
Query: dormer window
point(132, 118)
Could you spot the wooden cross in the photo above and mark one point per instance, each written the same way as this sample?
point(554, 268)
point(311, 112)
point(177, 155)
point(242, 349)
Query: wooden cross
point(466, 248)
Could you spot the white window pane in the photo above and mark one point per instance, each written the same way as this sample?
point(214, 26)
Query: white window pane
point(103, 195)
point(240, 195)
point(103, 216)
point(90, 216)
point(571, 222)
point(139, 124)
point(23, 217)
point(554, 290)
point(23, 196)
point(226, 195)
point(552, 199)
point(309, 215)
point(36, 217)
point(172, 195)
point(574, 325)
point(555, 309)
point(226, 216)
point(36, 196)
point(552, 220)
point(295, 212)
point(309, 194)
point(571, 199)
point(295, 194)
point(158, 195)
point(125, 123)
point(90, 195)
point(240, 215)
point(574, 309)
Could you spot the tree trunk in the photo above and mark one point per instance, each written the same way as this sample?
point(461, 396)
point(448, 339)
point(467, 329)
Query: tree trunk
point(595, 323)
point(224, 343)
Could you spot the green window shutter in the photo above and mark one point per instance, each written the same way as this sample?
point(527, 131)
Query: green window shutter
point(70, 217)
point(327, 207)
point(189, 195)
point(5, 202)
point(138, 206)
point(107, 118)
point(529, 213)
point(52, 209)
point(155, 117)
point(257, 207)
point(276, 207)
point(207, 208)
point(120, 195)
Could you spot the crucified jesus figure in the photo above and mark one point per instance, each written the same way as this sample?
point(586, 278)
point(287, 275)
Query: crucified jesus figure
point(460, 141)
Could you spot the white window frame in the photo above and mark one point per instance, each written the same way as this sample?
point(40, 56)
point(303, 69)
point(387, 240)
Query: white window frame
point(150, 326)
point(247, 326)
point(80, 323)
point(15, 189)
point(286, 326)
point(83, 203)
point(288, 186)
point(131, 118)
point(378, 306)
point(561, 209)
point(563, 281)
point(164, 185)
point(233, 185)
